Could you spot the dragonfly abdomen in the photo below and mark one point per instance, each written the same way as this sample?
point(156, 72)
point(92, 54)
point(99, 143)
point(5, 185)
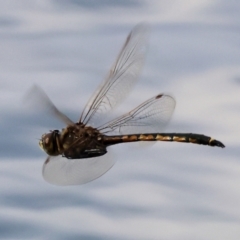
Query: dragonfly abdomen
point(169, 137)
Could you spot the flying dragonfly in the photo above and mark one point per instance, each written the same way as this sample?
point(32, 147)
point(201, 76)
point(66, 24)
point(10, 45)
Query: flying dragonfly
point(77, 153)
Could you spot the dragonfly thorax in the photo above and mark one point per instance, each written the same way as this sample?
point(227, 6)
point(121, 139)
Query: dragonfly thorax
point(50, 143)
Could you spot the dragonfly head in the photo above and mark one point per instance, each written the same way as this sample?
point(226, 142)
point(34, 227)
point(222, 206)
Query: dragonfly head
point(49, 143)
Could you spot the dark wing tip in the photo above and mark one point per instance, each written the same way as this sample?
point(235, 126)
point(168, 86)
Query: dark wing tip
point(217, 143)
point(159, 96)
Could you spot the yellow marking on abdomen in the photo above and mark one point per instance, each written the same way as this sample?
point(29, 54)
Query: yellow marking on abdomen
point(211, 139)
point(125, 137)
point(146, 137)
point(133, 138)
point(163, 138)
point(179, 139)
point(128, 138)
point(193, 140)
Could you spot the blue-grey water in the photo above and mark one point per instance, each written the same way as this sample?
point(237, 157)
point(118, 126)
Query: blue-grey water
point(166, 191)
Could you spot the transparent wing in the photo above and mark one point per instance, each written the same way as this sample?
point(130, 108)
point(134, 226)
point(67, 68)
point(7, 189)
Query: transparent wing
point(152, 115)
point(62, 171)
point(122, 76)
point(38, 96)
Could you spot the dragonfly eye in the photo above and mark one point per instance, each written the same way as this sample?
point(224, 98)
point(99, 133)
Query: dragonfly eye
point(48, 143)
point(43, 143)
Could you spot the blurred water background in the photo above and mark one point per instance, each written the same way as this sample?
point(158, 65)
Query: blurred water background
point(167, 191)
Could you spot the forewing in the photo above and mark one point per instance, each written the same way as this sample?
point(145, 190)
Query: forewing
point(121, 78)
point(152, 115)
point(38, 96)
point(62, 171)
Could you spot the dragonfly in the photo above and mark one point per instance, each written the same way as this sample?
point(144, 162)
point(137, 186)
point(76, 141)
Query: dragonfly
point(78, 153)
